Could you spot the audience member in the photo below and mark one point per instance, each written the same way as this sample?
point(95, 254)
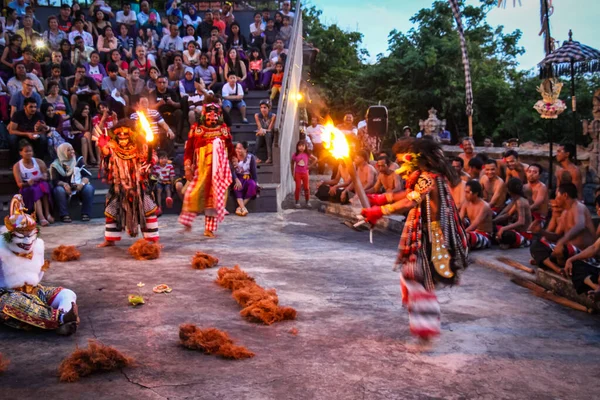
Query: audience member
point(157, 123)
point(205, 26)
point(83, 89)
point(81, 127)
point(276, 81)
point(28, 124)
point(15, 84)
point(316, 131)
point(444, 136)
point(78, 31)
point(168, 46)
point(286, 10)
point(257, 29)
point(65, 22)
point(236, 65)
point(54, 36)
point(332, 189)
point(233, 95)
point(28, 91)
point(468, 146)
point(568, 172)
point(127, 18)
point(135, 86)
point(487, 142)
point(458, 164)
point(81, 53)
point(301, 163)
point(475, 168)
point(126, 42)
point(54, 122)
point(477, 217)
point(285, 32)
point(11, 55)
point(536, 193)
point(191, 56)
point(164, 173)
point(236, 40)
point(347, 127)
point(517, 216)
point(494, 189)
point(27, 32)
point(265, 122)
point(245, 186)
point(406, 131)
point(387, 181)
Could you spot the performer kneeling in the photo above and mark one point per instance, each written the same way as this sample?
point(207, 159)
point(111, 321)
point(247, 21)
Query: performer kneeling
point(476, 215)
point(207, 170)
point(433, 247)
point(515, 234)
point(127, 163)
point(24, 302)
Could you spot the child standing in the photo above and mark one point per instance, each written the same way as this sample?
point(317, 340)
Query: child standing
point(164, 173)
point(301, 163)
point(276, 81)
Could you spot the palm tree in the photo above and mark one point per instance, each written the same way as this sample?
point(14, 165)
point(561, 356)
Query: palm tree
point(546, 10)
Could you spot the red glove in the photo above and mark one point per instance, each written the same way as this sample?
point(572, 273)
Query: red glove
point(372, 215)
point(377, 199)
point(103, 140)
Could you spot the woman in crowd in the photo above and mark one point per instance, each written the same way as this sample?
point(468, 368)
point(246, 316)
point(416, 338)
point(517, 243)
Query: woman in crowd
point(65, 50)
point(11, 26)
point(115, 57)
point(278, 20)
point(107, 43)
point(94, 69)
point(191, 18)
point(100, 23)
point(61, 105)
point(265, 122)
point(148, 40)
point(54, 122)
point(206, 72)
point(10, 56)
point(126, 42)
point(218, 62)
point(245, 185)
point(190, 36)
point(176, 71)
point(191, 56)
point(142, 62)
point(236, 40)
point(235, 64)
point(257, 29)
point(255, 65)
point(31, 176)
point(153, 76)
point(81, 125)
point(135, 86)
point(53, 36)
point(70, 178)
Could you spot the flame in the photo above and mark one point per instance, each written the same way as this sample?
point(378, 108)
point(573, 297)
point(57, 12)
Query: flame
point(335, 141)
point(146, 127)
point(299, 96)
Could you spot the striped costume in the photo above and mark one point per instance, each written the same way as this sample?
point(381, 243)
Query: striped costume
point(207, 153)
point(479, 240)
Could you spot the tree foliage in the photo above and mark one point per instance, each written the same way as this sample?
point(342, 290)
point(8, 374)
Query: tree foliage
point(424, 69)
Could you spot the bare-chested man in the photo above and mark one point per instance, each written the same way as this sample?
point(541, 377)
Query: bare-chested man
point(536, 192)
point(515, 234)
point(476, 168)
point(468, 146)
point(514, 168)
point(477, 217)
point(584, 273)
point(365, 172)
point(575, 231)
point(387, 180)
point(458, 164)
point(494, 189)
point(568, 171)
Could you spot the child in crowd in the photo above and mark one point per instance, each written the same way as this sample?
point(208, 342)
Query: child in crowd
point(276, 81)
point(256, 67)
point(164, 173)
point(31, 176)
point(285, 32)
point(302, 161)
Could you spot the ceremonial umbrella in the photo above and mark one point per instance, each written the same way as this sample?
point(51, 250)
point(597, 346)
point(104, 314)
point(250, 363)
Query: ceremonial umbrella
point(571, 57)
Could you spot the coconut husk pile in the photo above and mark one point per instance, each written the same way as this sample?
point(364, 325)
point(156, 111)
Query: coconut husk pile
point(203, 261)
point(65, 253)
point(211, 341)
point(3, 363)
point(145, 250)
point(259, 304)
point(96, 358)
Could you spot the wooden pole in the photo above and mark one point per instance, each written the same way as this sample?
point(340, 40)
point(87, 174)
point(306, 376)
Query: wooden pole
point(470, 126)
point(358, 187)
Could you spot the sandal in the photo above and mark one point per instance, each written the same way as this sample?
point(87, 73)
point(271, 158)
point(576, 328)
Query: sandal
point(43, 222)
point(85, 218)
point(238, 211)
point(244, 212)
point(67, 219)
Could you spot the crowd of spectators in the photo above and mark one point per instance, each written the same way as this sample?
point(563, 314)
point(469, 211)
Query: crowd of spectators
point(70, 82)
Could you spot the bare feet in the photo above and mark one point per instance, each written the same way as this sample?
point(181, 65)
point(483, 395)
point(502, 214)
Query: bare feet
point(209, 234)
point(44, 222)
point(186, 229)
point(106, 243)
point(50, 219)
point(594, 295)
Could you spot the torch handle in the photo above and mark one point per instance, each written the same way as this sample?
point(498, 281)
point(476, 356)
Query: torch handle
point(149, 160)
point(358, 187)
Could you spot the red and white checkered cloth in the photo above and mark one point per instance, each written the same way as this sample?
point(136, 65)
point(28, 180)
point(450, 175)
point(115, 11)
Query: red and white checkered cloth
point(221, 177)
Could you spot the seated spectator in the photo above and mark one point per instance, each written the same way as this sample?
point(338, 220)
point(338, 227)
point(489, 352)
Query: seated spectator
point(152, 77)
point(82, 128)
point(494, 189)
point(206, 26)
point(245, 185)
point(37, 26)
point(122, 65)
point(233, 95)
point(54, 122)
point(127, 18)
point(15, 84)
point(169, 45)
point(332, 189)
point(83, 89)
point(61, 104)
point(106, 44)
point(31, 66)
point(126, 42)
point(236, 66)
point(142, 62)
point(276, 81)
point(191, 17)
point(27, 91)
point(206, 72)
point(458, 164)
point(285, 32)
point(100, 23)
point(53, 36)
point(475, 168)
point(568, 171)
point(584, 272)
point(517, 216)
point(28, 124)
point(468, 146)
point(176, 71)
point(536, 193)
point(488, 142)
point(81, 53)
point(100, 5)
point(103, 122)
point(477, 216)
point(65, 67)
point(365, 173)
point(265, 123)
point(168, 103)
point(71, 179)
point(65, 22)
point(574, 231)
point(209, 44)
point(94, 69)
point(219, 23)
point(11, 55)
point(257, 29)
point(192, 93)
point(218, 62)
point(236, 40)
point(190, 36)
point(135, 87)
point(66, 50)
point(164, 174)
point(387, 180)
point(78, 31)
point(444, 136)
point(347, 126)
point(31, 176)
point(27, 32)
point(276, 56)
point(271, 35)
point(286, 10)
point(191, 56)
point(144, 15)
point(114, 82)
point(514, 168)
point(174, 14)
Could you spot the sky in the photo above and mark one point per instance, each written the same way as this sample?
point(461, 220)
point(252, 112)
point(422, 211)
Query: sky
point(375, 19)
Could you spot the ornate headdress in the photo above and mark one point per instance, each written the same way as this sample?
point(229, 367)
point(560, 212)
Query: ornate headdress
point(18, 220)
point(410, 163)
point(550, 106)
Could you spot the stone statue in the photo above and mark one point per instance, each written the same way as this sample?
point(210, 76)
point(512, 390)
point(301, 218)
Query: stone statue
point(593, 130)
point(432, 125)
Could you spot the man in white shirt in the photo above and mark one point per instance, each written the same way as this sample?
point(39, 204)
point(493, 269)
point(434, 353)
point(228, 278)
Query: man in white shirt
point(88, 39)
point(127, 16)
point(233, 95)
point(144, 15)
point(169, 45)
point(286, 10)
point(15, 84)
point(315, 131)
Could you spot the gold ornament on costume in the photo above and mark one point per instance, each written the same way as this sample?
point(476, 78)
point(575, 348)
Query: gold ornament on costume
point(18, 219)
point(410, 163)
point(550, 107)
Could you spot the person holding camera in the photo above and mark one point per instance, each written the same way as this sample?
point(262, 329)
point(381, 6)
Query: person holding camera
point(29, 124)
point(70, 178)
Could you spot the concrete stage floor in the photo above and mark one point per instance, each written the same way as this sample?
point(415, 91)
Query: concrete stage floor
point(498, 340)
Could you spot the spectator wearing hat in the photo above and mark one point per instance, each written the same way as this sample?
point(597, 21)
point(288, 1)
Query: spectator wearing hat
point(406, 131)
point(192, 93)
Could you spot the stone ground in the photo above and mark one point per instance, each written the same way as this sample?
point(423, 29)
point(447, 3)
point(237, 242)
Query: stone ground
point(498, 341)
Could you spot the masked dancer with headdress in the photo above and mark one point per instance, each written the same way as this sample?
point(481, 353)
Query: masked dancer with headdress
point(433, 247)
point(126, 163)
point(207, 169)
point(24, 302)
